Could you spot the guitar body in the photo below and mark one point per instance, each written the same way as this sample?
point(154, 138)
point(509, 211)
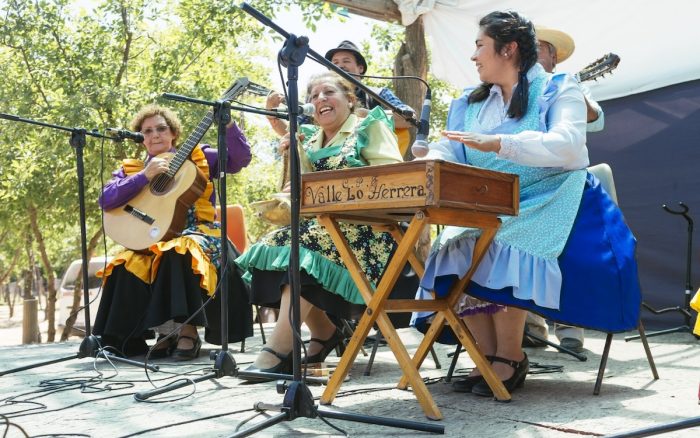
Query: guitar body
point(158, 212)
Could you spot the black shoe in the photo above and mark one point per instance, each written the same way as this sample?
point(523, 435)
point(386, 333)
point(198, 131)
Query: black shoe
point(517, 380)
point(190, 353)
point(283, 367)
point(327, 346)
point(465, 384)
point(165, 347)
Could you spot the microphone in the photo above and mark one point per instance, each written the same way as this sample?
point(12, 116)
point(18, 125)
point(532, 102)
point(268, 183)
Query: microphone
point(121, 134)
point(307, 109)
point(420, 146)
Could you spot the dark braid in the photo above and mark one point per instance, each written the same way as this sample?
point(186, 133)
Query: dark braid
point(506, 27)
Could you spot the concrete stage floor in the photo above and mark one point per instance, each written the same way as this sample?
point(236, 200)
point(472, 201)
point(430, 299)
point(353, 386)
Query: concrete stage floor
point(87, 397)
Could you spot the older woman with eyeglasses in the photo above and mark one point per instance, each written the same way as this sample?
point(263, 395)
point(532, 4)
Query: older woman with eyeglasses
point(169, 282)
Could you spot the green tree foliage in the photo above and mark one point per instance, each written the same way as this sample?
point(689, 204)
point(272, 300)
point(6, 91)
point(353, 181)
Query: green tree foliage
point(93, 67)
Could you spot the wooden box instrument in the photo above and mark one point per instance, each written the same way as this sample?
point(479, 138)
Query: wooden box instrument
point(396, 191)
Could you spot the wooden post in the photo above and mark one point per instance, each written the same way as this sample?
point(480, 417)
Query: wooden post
point(30, 315)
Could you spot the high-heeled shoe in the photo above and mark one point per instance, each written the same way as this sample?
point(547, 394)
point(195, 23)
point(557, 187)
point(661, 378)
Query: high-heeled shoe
point(165, 347)
point(187, 353)
point(326, 347)
point(283, 367)
point(465, 384)
point(517, 380)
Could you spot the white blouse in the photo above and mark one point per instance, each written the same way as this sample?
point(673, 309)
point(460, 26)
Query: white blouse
point(562, 145)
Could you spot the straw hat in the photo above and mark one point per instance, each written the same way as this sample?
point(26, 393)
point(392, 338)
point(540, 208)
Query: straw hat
point(561, 41)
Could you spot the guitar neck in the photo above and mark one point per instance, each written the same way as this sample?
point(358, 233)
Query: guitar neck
point(598, 68)
point(184, 151)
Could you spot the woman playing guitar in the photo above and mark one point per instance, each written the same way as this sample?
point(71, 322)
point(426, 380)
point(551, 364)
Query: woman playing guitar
point(170, 279)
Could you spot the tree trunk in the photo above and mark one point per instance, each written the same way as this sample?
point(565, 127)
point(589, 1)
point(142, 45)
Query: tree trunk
point(9, 290)
point(412, 60)
point(78, 291)
point(51, 298)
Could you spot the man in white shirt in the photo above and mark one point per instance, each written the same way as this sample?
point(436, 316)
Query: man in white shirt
point(555, 46)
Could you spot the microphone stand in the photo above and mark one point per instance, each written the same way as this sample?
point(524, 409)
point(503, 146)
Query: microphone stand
point(90, 346)
point(298, 400)
point(686, 309)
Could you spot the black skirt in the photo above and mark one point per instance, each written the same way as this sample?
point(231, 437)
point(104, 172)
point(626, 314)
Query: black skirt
point(130, 307)
point(266, 290)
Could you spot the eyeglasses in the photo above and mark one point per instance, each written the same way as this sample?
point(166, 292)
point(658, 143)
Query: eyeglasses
point(160, 129)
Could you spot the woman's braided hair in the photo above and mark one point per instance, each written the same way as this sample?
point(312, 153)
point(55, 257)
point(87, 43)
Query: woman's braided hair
point(506, 27)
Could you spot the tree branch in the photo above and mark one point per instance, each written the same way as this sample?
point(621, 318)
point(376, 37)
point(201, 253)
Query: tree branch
point(34, 79)
point(129, 35)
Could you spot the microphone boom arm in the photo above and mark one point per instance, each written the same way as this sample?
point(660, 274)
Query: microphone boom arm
point(323, 61)
point(181, 98)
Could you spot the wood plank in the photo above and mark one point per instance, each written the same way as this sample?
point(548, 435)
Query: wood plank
point(382, 10)
point(401, 305)
point(428, 339)
point(420, 390)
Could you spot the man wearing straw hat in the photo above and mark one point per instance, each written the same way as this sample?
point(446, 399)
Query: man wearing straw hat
point(555, 46)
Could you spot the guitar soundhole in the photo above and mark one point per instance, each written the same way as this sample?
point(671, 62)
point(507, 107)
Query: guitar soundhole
point(161, 184)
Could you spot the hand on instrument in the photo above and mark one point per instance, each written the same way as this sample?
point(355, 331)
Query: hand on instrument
point(283, 145)
point(155, 167)
point(287, 187)
point(274, 99)
point(481, 142)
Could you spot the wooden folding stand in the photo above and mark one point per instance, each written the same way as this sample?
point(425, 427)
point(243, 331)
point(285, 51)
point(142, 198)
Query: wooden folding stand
point(422, 192)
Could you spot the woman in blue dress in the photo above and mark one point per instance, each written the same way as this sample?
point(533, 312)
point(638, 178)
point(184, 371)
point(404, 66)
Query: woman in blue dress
point(568, 255)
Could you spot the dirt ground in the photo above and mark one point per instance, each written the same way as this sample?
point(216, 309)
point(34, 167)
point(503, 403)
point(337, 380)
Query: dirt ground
point(88, 397)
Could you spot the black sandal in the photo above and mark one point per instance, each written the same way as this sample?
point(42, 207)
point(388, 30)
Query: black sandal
point(189, 353)
point(517, 380)
point(165, 347)
point(327, 346)
point(466, 384)
point(283, 367)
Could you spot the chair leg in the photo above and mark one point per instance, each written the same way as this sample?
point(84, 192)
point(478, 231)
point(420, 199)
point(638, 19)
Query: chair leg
point(647, 350)
point(603, 363)
point(348, 331)
point(453, 364)
point(435, 358)
point(260, 324)
point(377, 339)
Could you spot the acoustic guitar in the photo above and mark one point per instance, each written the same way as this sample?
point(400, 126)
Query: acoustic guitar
point(598, 68)
point(158, 212)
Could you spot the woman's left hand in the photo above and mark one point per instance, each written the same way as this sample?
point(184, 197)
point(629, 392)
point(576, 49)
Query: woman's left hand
point(482, 142)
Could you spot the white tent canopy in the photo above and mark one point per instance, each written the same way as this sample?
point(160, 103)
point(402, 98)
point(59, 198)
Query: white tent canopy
point(656, 41)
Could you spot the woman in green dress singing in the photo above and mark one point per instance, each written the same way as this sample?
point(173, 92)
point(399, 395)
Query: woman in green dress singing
point(339, 139)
